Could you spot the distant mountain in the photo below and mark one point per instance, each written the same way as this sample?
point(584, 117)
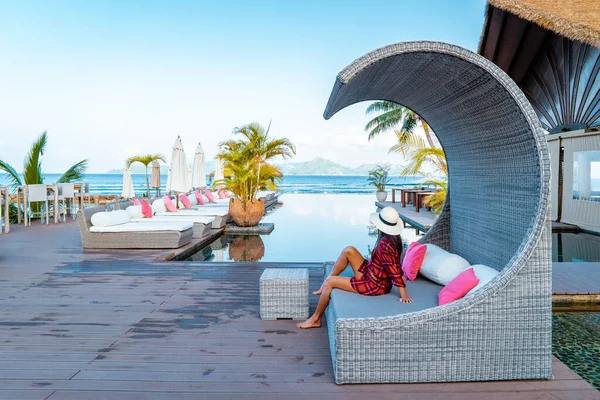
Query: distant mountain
point(164, 169)
point(322, 166)
point(316, 166)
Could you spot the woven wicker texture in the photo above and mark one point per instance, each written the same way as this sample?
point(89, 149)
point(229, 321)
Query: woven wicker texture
point(495, 214)
point(128, 240)
point(284, 293)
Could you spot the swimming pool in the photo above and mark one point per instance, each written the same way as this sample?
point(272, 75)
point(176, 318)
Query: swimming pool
point(316, 227)
point(308, 228)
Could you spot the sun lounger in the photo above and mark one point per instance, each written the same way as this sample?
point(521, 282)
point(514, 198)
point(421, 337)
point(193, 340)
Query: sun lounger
point(202, 224)
point(134, 235)
point(221, 216)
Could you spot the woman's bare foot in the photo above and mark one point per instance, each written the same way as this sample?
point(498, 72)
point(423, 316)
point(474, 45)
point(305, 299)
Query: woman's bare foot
point(319, 291)
point(310, 323)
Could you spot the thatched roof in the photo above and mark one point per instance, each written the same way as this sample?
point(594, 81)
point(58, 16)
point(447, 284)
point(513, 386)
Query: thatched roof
point(574, 19)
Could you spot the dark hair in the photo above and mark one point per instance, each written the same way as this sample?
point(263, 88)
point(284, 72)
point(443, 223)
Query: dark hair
point(395, 240)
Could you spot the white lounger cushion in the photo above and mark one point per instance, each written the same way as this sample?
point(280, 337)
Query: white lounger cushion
point(484, 274)
point(149, 227)
point(221, 212)
point(441, 266)
point(177, 218)
point(110, 218)
point(135, 212)
point(158, 206)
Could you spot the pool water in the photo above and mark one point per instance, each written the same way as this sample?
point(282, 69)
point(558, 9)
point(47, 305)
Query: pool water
point(308, 228)
point(576, 342)
point(575, 247)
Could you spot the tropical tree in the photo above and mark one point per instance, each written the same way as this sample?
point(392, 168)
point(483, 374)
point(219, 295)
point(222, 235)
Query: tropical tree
point(32, 167)
point(419, 154)
point(248, 170)
point(392, 115)
point(411, 145)
point(146, 159)
point(247, 160)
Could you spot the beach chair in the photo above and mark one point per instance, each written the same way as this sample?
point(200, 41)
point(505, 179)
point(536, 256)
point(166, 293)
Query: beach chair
point(496, 213)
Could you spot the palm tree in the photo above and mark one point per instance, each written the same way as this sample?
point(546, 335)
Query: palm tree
point(392, 115)
point(146, 159)
point(32, 167)
point(248, 170)
point(419, 154)
point(256, 149)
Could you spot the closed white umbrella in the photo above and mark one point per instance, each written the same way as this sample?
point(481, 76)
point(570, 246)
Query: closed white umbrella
point(219, 170)
point(127, 185)
point(198, 170)
point(178, 180)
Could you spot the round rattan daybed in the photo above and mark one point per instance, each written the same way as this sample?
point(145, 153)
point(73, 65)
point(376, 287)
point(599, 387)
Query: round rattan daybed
point(496, 214)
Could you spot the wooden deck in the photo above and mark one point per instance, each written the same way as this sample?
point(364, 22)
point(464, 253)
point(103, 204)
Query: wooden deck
point(117, 325)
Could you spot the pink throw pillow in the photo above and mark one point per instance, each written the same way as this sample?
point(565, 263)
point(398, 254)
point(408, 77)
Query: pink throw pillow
point(136, 202)
point(413, 259)
point(169, 204)
point(186, 202)
point(146, 209)
point(458, 287)
point(221, 194)
point(209, 196)
point(199, 197)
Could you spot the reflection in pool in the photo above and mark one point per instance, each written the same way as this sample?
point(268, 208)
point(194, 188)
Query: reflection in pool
point(308, 228)
point(575, 247)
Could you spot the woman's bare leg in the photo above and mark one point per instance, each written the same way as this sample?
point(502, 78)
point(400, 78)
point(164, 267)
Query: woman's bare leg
point(350, 255)
point(332, 282)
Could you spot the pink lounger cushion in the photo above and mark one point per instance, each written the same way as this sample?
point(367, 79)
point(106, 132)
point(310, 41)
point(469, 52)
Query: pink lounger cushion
point(199, 197)
point(413, 260)
point(146, 209)
point(222, 194)
point(169, 204)
point(209, 196)
point(185, 201)
point(458, 287)
point(136, 202)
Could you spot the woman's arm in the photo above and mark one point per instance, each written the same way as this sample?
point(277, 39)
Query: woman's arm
point(404, 295)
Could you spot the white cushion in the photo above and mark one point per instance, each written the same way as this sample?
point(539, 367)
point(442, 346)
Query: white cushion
point(149, 227)
point(484, 274)
point(441, 266)
point(221, 212)
point(178, 218)
point(159, 206)
point(135, 212)
point(110, 218)
point(192, 198)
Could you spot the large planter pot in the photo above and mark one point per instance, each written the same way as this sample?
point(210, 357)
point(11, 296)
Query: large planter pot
point(249, 214)
point(381, 196)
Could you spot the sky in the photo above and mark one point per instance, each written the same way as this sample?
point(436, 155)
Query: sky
point(111, 79)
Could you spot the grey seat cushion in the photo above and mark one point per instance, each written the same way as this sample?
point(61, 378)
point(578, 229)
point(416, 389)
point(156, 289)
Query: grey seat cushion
point(351, 305)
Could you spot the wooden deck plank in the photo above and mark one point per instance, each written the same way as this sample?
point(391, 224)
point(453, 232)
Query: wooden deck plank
point(124, 327)
point(115, 395)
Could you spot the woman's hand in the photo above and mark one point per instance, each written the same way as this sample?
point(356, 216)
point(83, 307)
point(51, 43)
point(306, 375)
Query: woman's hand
point(405, 300)
point(404, 296)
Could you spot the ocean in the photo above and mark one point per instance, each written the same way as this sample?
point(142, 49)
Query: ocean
point(112, 184)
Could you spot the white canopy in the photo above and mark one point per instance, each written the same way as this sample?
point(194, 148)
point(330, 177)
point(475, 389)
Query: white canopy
point(198, 171)
point(128, 191)
point(178, 179)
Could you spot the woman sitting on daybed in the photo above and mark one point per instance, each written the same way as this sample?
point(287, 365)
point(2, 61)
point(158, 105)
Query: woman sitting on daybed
point(371, 278)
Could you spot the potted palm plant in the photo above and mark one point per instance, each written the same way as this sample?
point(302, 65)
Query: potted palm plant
point(378, 177)
point(248, 171)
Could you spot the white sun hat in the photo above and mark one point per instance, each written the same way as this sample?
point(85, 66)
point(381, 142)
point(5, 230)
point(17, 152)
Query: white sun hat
point(387, 221)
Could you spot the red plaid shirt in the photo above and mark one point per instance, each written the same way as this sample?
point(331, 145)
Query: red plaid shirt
point(384, 268)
